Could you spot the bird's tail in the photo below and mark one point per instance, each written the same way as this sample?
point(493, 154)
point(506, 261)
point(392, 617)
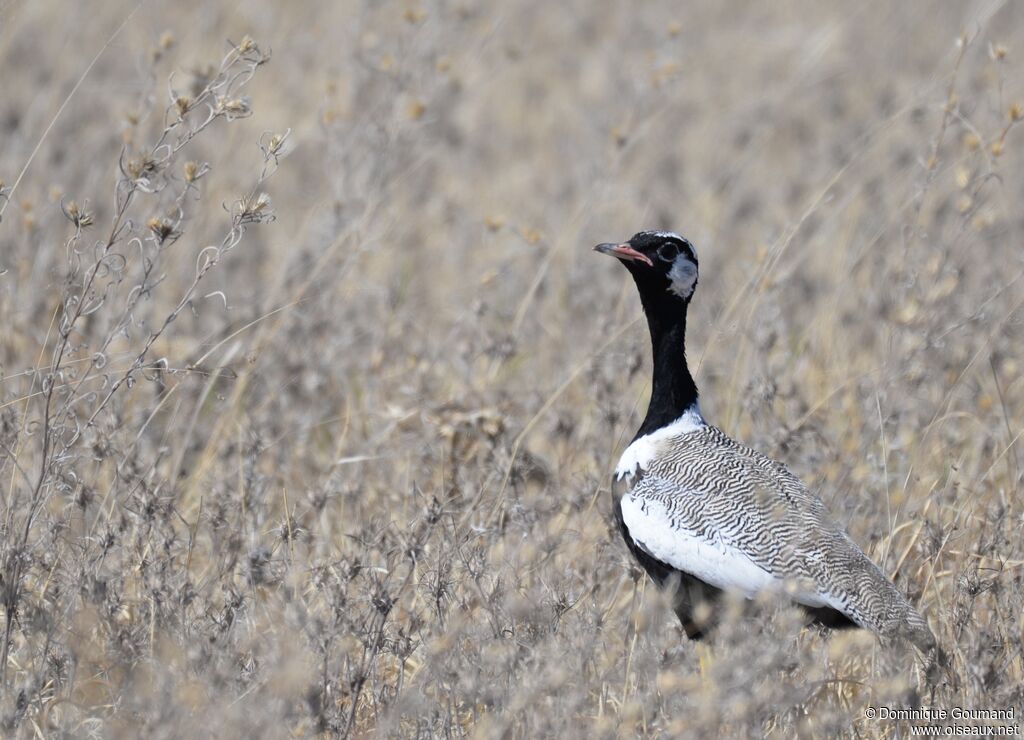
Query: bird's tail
point(916, 631)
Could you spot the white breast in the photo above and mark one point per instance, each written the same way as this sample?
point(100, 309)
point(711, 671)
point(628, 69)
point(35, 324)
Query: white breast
point(639, 454)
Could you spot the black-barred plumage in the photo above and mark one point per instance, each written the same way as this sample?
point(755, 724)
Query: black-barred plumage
point(697, 506)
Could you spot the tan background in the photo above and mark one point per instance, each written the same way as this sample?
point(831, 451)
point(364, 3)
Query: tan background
point(424, 321)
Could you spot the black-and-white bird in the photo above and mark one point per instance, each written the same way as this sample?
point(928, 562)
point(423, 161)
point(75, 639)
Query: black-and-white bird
point(695, 505)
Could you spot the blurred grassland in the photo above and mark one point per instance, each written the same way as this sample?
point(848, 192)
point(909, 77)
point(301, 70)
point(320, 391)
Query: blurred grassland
point(359, 483)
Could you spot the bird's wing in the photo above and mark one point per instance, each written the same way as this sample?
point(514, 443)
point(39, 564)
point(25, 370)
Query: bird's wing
point(736, 519)
point(672, 525)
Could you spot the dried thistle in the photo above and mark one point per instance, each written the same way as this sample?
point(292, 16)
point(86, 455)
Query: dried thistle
point(233, 108)
point(76, 214)
point(183, 104)
point(142, 171)
point(163, 229)
point(273, 145)
point(194, 171)
point(255, 208)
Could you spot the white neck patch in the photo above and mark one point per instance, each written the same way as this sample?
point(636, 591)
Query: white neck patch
point(683, 277)
point(638, 455)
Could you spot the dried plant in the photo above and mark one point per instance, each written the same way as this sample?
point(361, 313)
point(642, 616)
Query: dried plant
point(347, 472)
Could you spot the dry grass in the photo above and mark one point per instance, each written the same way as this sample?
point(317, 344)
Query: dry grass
point(346, 470)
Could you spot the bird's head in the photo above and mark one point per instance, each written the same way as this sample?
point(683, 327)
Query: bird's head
point(660, 261)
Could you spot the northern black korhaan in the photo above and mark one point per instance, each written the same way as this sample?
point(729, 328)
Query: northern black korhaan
point(707, 514)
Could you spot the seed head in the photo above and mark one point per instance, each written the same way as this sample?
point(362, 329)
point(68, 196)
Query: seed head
point(416, 109)
point(143, 168)
point(195, 170)
point(163, 229)
point(255, 209)
point(77, 215)
point(183, 103)
point(233, 108)
point(273, 145)
point(530, 235)
point(163, 44)
point(413, 15)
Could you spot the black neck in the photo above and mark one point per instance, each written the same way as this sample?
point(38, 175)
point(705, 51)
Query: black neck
point(672, 389)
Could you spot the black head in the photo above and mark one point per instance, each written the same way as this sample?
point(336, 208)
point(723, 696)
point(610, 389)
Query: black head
point(660, 261)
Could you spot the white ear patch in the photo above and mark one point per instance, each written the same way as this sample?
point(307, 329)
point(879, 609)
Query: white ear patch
point(683, 276)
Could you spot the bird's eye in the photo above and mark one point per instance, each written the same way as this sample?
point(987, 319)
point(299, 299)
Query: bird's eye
point(668, 251)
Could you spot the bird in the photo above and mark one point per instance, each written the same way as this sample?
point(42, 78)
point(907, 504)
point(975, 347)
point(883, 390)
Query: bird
point(705, 515)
